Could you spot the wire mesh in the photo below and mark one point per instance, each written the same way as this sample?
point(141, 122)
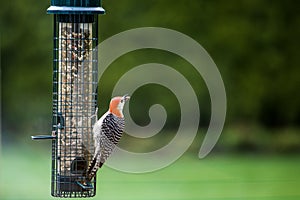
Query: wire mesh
point(74, 102)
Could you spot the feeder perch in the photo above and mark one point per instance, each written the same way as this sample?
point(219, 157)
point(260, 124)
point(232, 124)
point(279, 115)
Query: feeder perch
point(75, 71)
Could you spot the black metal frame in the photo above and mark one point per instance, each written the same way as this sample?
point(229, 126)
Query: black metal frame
point(75, 81)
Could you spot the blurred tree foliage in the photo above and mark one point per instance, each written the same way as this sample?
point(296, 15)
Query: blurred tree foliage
point(255, 44)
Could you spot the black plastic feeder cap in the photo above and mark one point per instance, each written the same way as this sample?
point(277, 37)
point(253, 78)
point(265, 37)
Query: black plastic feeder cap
point(75, 7)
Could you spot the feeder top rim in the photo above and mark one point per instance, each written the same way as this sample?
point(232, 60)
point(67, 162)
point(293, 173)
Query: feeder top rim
point(75, 10)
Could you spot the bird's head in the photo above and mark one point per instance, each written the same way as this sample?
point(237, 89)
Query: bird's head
point(117, 104)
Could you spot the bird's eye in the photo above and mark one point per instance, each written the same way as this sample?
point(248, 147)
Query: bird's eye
point(122, 101)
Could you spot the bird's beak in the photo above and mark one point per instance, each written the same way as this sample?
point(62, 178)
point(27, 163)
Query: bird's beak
point(126, 97)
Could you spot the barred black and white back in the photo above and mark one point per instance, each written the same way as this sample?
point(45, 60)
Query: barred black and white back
point(107, 131)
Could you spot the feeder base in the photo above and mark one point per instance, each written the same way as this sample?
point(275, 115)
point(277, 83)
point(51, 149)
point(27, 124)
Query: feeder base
point(85, 186)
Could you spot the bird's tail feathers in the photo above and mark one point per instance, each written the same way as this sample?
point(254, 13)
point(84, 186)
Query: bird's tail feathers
point(93, 167)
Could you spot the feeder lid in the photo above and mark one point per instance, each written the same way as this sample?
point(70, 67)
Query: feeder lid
point(75, 7)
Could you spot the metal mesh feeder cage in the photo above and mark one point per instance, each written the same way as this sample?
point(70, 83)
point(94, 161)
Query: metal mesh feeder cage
point(75, 70)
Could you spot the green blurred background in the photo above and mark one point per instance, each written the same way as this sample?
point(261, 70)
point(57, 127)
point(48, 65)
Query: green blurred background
point(255, 44)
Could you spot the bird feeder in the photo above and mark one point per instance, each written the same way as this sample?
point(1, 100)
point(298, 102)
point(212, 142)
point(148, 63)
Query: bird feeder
point(75, 70)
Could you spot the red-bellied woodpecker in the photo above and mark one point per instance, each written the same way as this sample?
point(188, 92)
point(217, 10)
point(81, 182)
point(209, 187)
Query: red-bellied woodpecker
point(107, 133)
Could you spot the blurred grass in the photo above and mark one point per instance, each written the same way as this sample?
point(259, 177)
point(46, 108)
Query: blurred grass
point(25, 174)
